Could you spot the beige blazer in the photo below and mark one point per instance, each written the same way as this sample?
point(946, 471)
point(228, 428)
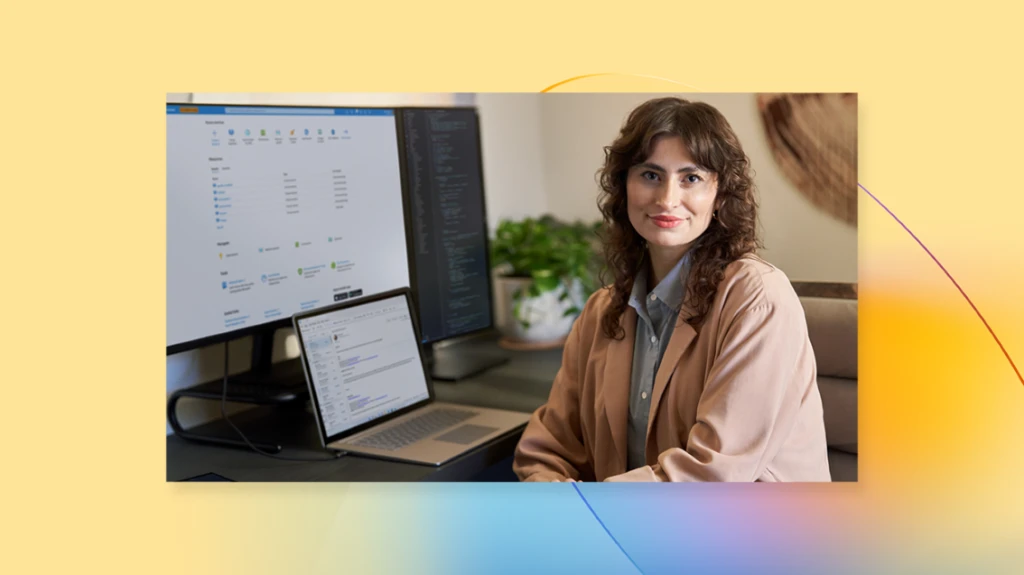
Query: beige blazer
point(736, 401)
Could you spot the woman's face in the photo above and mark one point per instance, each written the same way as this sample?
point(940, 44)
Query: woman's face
point(670, 200)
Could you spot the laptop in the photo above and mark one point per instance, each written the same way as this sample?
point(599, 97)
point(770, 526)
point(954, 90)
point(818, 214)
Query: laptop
point(371, 391)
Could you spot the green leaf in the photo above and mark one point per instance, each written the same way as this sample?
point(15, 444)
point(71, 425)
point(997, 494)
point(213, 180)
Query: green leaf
point(571, 311)
point(545, 282)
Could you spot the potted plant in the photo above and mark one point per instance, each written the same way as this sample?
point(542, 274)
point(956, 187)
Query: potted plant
point(545, 270)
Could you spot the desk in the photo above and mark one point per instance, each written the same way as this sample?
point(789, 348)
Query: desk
point(522, 384)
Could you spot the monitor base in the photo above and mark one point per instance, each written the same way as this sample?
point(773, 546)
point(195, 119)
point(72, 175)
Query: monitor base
point(453, 364)
point(283, 384)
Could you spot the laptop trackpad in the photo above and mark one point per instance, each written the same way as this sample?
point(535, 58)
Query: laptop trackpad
point(466, 434)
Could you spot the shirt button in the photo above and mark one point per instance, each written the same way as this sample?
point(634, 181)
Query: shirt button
point(654, 339)
point(644, 395)
point(653, 297)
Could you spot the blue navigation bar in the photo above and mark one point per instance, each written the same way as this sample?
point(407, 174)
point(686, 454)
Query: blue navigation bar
point(275, 111)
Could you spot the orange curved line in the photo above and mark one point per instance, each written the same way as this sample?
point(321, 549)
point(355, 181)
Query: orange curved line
point(573, 79)
point(585, 76)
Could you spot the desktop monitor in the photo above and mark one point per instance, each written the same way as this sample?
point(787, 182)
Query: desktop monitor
point(448, 248)
point(274, 210)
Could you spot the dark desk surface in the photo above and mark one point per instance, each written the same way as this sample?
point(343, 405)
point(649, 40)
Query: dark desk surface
point(522, 384)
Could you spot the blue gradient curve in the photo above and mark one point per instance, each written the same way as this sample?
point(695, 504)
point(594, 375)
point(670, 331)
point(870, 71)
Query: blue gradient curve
point(603, 526)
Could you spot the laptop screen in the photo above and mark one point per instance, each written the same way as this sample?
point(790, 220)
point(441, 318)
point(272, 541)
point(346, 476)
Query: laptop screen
point(364, 362)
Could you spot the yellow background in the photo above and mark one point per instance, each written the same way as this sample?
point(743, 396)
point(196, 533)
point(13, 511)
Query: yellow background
point(82, 136)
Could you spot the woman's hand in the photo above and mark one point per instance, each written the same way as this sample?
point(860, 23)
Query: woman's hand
point(640, 474)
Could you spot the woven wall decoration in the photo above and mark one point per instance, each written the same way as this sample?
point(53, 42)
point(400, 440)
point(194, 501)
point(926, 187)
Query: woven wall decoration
point(814, 140)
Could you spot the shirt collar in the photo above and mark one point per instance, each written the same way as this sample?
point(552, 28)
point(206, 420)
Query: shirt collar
point(671, 289)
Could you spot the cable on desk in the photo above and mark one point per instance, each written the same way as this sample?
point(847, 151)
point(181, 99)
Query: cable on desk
point(224, 414)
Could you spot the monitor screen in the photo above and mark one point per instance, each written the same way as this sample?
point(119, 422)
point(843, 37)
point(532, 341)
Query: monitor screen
point(449, 225)
point(363, 362)
point(275, 210)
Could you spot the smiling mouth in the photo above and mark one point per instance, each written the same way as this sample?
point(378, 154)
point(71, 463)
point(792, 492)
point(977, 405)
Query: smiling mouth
point(666, 221)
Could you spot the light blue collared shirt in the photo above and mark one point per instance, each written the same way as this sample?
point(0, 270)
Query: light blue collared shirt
point(657, 312)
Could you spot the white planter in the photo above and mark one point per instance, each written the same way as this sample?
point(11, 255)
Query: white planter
point(545, 313)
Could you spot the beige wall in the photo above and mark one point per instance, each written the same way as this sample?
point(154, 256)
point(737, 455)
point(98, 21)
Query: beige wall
point(803, 241)
point(512, 146)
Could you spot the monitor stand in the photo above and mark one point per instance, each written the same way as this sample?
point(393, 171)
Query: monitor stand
point(455, 362)
point(266, 383)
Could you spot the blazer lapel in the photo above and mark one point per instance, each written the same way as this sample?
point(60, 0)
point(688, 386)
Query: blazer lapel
point(682, 336)
point(615, 389)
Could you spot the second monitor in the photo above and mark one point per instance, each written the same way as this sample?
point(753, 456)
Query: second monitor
point(448, 249)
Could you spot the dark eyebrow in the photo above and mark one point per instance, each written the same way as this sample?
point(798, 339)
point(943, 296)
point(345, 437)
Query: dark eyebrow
point(688, 169)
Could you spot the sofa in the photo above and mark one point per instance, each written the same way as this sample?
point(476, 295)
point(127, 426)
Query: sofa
point(831, 313)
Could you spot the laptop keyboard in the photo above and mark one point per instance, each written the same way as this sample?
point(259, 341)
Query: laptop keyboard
point(415, 429)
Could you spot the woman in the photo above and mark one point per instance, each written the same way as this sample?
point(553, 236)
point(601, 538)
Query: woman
point(695, 364)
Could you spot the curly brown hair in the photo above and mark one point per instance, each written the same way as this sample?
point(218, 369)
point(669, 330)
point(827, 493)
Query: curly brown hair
point(732, 233)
